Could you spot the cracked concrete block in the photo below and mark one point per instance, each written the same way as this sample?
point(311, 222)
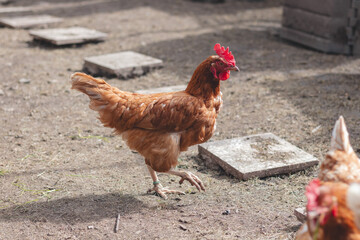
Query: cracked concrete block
point(122, 64)
point(300, 214)
point(66, 36)
point(175, 88)
point(29, 21)
point(260, 155)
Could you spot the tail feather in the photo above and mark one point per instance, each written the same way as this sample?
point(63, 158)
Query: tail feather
point(82, 81)
point(340, 137)
point(102, 96)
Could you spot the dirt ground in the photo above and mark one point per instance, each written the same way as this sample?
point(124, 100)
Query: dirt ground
point(64, 176)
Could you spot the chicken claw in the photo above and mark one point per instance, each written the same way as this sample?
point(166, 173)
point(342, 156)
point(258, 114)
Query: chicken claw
point(194, 180)
point(162, 191)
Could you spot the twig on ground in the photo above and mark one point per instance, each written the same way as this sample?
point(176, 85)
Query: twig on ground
point(116, 229)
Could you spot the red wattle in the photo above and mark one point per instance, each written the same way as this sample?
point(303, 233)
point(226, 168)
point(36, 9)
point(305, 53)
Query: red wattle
point(334, 211)
point(224, 75)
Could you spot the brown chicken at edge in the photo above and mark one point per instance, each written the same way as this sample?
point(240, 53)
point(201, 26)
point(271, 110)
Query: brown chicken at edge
point(160, 126)
point(341, 163)
point(333, 209)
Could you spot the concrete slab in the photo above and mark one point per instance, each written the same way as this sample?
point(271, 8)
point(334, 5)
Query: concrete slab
point(260, 155)
point(66, 36)
point(122, 64)
point(163, 89)
point(300, 214)
point(29, 21)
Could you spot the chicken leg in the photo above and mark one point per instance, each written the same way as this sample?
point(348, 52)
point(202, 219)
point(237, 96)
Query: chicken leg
point(162, 191)
point(158, 188)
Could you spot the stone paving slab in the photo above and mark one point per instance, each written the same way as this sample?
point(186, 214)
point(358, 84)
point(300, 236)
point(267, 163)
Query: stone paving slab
point(175, 88)
point(66, 36)
point(260, 155)
point(300, 214)
point(122, 64)
point(29, 21)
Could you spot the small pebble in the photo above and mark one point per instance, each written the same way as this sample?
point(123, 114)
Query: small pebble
point(182, 227)
point(226, 212)
point(1, 92)
point(52, 81)
point(183, 221)
point(90, 227)
point(24, 80)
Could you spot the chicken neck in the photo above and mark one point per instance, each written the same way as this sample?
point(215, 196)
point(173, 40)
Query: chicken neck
point(203, 84)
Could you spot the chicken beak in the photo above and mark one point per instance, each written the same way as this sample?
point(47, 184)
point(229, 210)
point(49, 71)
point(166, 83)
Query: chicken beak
point(233, 68)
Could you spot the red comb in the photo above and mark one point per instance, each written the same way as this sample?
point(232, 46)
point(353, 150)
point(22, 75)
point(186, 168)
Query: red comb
point(224, 54)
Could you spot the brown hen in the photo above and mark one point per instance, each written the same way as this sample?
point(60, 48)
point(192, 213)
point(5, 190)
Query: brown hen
point(160, 126)
point(341, 163)
point(333, 209)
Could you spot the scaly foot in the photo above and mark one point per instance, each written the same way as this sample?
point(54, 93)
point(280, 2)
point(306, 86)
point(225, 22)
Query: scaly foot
point(162, 191)
point(194, 180)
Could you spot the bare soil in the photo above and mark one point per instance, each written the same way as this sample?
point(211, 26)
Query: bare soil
point(64, 176)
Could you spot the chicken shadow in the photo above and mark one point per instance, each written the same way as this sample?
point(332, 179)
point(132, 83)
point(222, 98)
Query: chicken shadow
point(72, 210)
